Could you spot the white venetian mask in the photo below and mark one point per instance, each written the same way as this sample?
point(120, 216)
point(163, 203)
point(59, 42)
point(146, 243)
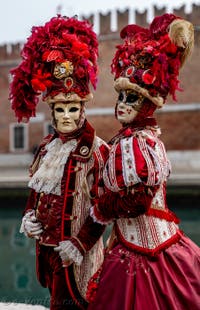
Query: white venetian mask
point(128, 107)
point(66, 116)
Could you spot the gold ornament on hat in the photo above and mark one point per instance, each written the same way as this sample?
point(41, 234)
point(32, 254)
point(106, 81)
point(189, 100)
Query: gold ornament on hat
point(63, 69)
point(68, 82)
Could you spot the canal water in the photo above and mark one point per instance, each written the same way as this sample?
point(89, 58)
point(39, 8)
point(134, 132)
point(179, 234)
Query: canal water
point(17, 254)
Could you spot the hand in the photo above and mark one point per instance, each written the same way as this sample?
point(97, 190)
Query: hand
point(62, 249)
point(30, 227)
point(68, 253)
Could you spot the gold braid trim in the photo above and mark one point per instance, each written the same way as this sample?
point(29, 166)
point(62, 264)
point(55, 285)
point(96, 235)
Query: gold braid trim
point(81, 245)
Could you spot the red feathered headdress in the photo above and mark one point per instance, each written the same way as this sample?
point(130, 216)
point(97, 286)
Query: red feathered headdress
point(149, 60)
point(59, 62)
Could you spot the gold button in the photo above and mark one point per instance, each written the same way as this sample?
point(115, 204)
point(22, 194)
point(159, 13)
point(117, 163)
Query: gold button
point(84, 150)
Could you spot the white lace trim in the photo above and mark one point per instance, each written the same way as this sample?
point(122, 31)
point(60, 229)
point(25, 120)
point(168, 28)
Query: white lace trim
point(70, 252)
point(128, 162)
point(48, 177)
point(96, 220)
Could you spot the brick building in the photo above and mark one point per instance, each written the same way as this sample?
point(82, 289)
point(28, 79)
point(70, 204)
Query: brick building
point(179, 122)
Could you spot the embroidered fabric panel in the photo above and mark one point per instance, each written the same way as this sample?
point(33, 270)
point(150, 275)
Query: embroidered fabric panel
point(101, 161)
point(83, 185)
point(92, 261)
point(158, 201)
point(163, 162)
point(156, 158)
point(151, 177)
point(109, 174)
point(147, 232)
point(128, 162)
point(82, 203)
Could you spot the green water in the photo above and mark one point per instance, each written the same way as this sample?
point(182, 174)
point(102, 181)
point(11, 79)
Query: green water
point(17, 260)
point(18, 281)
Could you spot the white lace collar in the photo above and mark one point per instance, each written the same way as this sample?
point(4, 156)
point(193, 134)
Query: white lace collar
point(48, 177)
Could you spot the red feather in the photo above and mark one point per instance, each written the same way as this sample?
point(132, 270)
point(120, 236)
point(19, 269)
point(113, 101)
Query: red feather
point(55, 55)
point(60, 39)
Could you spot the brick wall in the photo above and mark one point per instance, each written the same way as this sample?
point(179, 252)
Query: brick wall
point(180, 130)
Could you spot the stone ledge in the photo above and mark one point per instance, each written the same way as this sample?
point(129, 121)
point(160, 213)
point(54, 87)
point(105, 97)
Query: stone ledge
point(15, 160)
point(185, 169)
point(185, 162)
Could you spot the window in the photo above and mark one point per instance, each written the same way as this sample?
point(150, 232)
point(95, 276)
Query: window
point(18, 137)
point(48, 128)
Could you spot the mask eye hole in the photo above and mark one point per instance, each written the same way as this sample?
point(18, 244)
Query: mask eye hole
point(59, 110)
point(131, 98)
point(121, 96)
point(73, 109)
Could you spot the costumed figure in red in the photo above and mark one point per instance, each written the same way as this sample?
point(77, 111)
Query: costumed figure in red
point(149, 263)
point(59, 62)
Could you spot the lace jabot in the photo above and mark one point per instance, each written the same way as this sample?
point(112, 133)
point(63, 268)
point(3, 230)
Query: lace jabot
point(48, 177)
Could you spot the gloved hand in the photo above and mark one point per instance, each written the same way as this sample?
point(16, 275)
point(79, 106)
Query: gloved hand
point(69, 253)
point(30, 227)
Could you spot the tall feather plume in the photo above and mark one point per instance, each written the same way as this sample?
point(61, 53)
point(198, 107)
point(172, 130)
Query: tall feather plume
point(181, 33)
point(58, 40)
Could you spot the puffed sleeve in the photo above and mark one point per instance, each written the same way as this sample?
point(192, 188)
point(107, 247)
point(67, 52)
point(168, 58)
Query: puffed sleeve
point(115, 205)
point(136, 167)
point(134, 160)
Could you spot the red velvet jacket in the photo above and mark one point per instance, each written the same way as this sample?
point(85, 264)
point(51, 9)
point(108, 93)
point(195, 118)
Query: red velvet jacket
point(66, 216)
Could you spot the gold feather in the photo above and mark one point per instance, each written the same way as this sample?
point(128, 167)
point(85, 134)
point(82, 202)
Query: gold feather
point(181, 33)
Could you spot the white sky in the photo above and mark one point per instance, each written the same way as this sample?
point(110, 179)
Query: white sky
point(18, 16)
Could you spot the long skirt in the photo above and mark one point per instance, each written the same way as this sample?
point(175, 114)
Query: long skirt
point(169, 281)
